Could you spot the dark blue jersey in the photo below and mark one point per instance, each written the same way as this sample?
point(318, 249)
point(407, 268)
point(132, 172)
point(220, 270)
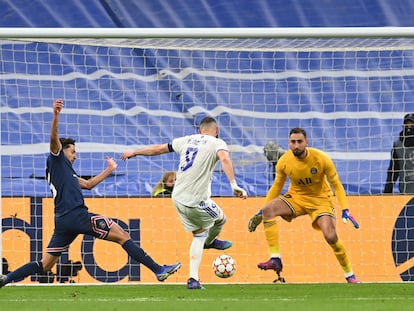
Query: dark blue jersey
point(64, 184)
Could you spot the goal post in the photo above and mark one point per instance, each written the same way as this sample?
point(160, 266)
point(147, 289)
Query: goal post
point(125, 88)
point(209, 33)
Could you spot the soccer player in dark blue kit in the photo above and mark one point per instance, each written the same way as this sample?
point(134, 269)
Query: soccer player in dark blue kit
point(72, 216)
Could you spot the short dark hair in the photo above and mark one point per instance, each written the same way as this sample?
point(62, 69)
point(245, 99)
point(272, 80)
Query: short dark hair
point(66, 142)
point(298, 130)
point(207, 121)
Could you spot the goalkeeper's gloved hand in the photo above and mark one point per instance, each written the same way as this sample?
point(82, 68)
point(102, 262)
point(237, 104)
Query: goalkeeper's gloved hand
point(240, 192)
point(255, 221)
point(347, 216)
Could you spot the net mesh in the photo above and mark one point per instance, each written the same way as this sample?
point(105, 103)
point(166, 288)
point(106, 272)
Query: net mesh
point(350, 94)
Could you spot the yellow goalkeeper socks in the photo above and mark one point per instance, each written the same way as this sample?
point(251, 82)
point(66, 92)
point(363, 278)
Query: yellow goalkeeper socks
point(271, 231)
point(341, 256)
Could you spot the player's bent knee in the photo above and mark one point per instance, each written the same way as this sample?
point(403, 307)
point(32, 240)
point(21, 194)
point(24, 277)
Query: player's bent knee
point(332, 239)
point(221, 221)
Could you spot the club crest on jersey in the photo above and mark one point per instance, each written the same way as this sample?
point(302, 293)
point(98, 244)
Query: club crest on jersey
point(313, 170)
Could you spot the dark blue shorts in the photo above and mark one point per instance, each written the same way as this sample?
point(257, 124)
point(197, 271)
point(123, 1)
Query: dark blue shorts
point(78, 221)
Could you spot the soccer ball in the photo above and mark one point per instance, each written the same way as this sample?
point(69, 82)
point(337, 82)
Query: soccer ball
point(224, 266)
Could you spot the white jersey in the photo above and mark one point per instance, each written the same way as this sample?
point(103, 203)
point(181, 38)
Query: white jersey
point(198, 157)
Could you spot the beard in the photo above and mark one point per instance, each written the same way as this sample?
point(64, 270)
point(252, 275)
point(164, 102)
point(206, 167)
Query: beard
point(299, 153)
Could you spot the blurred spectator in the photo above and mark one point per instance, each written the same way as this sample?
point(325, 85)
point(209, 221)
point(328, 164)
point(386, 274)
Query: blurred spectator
point(273, 152)
point(165, 186)
point(401, 165)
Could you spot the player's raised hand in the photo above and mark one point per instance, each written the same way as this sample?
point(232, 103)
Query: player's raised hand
point(111, 163)
point(58, 105)
point(346, 215)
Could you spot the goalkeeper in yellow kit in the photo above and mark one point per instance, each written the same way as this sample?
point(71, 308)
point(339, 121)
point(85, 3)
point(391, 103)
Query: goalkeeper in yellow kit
point(309, 171)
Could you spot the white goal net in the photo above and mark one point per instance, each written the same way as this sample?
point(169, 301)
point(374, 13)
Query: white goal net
point(349, 91)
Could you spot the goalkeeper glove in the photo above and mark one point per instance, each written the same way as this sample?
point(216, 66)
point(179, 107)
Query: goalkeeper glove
point(255, 221)
point(347, 216)
point(237, 190)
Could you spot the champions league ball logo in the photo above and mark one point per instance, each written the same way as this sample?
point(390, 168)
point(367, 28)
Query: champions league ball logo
point(403, 241)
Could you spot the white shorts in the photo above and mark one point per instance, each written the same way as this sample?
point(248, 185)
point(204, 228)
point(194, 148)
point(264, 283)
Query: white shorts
point(198, 217)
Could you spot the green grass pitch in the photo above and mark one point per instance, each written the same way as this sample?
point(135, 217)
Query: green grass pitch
point(251, 297)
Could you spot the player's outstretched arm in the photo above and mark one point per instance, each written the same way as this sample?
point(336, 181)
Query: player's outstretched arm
point(55, 144)
point(146, 151)
point(92, 182)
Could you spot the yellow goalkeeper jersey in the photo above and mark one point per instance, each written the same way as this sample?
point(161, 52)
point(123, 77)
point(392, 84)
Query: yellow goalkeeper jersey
point(311, 176)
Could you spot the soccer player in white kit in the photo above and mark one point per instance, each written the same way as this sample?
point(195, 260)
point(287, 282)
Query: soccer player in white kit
point(199, 214)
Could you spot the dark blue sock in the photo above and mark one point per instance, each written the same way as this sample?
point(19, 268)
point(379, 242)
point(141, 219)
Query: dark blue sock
point(31, 268)
point(137, 253)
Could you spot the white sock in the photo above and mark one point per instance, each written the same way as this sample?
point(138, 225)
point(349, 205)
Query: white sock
point(196, 253)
